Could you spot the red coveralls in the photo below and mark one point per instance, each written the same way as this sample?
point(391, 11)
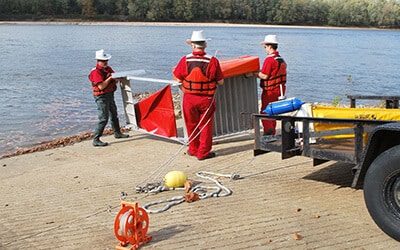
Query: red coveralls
point(270, 68)
point(199, 109)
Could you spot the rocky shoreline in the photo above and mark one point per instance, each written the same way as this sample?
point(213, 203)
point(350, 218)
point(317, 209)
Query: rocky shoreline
point(65, 141)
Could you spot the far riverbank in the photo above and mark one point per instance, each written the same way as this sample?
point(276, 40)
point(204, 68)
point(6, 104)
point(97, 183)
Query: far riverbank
point(166, 24)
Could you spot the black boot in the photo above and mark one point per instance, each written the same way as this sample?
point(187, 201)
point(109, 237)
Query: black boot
point(98, 132)
point(98, 143)
point(119, 135)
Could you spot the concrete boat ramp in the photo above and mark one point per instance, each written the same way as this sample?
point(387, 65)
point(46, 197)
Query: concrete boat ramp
point(68, 198)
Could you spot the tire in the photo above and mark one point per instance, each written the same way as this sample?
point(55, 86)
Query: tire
point(382, 191)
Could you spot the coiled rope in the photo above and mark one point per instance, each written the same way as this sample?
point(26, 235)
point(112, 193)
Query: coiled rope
point(196, 189)
point(156, 187)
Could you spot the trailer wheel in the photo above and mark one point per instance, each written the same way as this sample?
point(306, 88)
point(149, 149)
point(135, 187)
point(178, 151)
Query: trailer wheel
point(382, 191)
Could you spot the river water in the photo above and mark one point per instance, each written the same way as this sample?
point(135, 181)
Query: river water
point(45, 93)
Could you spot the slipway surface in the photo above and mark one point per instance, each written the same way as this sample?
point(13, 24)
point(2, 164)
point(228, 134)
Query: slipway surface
point(67, 198)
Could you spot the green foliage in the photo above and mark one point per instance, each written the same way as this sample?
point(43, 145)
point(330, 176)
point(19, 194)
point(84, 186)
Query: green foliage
point(364, 13)
point(336, 101)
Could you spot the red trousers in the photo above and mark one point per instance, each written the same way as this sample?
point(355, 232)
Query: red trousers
point(268, 96)
point(198, 112)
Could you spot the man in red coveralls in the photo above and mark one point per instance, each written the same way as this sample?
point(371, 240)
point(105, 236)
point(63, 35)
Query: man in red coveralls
point(104, 86)
point(199, 75)
point(272, 79)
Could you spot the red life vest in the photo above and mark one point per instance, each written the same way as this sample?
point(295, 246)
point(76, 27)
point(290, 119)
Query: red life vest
point(197, 81)
point(273, 82)
point(111, 87)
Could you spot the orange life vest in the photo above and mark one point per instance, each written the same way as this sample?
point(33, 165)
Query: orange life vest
point(273, 82)
point(111, 87)
point(197, 81)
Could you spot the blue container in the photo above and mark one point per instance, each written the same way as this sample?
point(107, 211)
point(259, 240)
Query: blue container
point(279, 107)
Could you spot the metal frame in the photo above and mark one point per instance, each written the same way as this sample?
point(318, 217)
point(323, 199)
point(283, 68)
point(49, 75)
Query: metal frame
point(237, 100)
point(391, 101)
point(348, 150)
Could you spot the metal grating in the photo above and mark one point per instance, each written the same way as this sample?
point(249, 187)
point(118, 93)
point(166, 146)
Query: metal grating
point(236, 100)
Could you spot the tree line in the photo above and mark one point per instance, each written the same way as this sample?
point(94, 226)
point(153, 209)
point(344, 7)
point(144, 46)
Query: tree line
point(358, 13)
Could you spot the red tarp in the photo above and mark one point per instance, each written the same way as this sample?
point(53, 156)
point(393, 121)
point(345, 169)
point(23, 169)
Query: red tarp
point(156, 114)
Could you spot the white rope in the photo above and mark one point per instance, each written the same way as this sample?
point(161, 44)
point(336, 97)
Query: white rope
point(202, 118)
point(180, 199)
point(156, 173)
point(244, 166)
point(122, 222)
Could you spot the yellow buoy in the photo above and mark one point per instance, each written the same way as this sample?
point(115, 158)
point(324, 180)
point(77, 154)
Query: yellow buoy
point(175, 179)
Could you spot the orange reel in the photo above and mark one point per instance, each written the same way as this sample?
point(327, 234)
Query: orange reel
point(130, 226)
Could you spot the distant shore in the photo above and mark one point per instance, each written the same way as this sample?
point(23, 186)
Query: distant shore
point(74, 22)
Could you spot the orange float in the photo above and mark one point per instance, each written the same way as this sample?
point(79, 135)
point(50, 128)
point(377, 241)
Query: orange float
point(130, 226)
point(239, 65)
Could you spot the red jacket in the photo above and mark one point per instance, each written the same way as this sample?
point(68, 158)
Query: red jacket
point(99, 75)
point(275, 67)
